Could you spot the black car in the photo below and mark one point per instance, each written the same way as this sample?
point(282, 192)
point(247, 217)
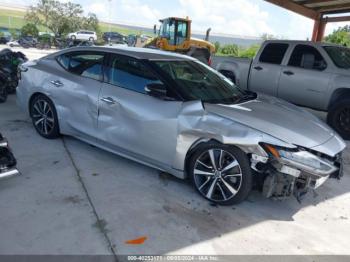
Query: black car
point(5, 39)
point(28, 41)
point(114, 37)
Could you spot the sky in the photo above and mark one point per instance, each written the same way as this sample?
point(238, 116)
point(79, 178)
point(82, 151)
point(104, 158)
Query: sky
point(234, 17)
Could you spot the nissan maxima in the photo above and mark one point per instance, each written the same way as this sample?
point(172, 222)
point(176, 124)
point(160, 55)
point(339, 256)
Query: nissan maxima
point(175, 114)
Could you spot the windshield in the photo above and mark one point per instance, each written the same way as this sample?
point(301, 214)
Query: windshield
point(339, 55)
point(197, 81)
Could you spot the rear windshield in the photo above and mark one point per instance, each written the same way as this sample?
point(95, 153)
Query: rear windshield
point(339, 55)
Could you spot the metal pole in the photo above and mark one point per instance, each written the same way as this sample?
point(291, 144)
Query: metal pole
point(110, 20)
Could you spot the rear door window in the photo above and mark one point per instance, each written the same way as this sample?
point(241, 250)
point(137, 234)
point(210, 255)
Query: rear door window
point(129, 73)
point(273, 53)
point(85, 64)
point(307, 57)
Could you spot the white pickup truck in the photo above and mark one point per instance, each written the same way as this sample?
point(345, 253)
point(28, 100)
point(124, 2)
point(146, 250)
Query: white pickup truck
point(314, 75)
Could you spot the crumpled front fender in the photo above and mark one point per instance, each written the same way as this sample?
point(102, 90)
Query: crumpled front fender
point(197, 126)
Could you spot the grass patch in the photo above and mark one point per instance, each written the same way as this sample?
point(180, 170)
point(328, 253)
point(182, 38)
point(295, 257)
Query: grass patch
point(14, 19)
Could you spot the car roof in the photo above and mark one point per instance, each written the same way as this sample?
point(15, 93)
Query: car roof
point(303, 42)
point(135, 52)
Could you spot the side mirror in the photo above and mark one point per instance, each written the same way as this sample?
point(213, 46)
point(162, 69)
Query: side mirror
point(157, 90)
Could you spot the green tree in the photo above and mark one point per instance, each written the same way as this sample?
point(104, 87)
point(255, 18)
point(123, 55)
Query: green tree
point(217, 46)
point(266, 36)
point(340, 36)
point(90, 22)
point(249, 52)
point(29, 29)
point(14, 33)
point(61, 17)
point(230, 50)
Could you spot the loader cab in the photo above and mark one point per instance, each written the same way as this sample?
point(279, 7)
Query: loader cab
point(176, 31)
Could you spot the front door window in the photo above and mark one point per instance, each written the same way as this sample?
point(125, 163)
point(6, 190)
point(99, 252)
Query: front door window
point(169, 31)
point(181, 34)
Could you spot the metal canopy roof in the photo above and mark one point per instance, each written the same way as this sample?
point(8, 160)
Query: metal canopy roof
point(315, 9)
point(322, 11)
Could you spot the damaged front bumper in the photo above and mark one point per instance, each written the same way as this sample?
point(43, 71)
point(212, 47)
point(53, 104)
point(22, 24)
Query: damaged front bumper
point(285, 177)
point(7, 160)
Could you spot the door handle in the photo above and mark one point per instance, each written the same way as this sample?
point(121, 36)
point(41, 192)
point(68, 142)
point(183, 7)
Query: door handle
point(288, 73)
point(108, 100)
point(258, 68)
point(56, 83)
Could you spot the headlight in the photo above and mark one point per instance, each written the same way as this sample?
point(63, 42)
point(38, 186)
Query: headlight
point(300, 158)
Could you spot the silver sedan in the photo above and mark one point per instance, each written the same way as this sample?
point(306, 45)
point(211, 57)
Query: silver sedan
point(178, 115)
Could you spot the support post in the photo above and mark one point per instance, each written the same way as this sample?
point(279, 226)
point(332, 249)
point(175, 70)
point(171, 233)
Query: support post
point(319, 29)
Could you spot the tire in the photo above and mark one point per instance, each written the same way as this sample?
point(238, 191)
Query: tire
point(91, 39)
point(44, 117)
point(73, 37)
point(339, 118)
point(213, 182)
point(3, 93)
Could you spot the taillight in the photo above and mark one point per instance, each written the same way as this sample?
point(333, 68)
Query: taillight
point(209, 61)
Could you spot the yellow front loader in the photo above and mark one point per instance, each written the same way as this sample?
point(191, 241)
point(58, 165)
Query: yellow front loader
point(174, 35)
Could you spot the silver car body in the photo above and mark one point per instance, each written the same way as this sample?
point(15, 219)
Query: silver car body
point(161, 133)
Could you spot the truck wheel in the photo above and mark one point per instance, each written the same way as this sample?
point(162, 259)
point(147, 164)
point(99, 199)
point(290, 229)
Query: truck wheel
point(339, 118)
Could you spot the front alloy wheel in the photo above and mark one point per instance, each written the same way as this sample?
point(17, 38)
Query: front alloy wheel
point(221, 174)
point(44, 117)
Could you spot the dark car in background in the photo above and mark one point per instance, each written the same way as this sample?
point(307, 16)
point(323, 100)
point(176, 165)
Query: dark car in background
point(28, 41)
point(5, 39)
point(114, 37)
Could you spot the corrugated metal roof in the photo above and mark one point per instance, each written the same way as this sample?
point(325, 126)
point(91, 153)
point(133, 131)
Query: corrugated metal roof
point(325, 6)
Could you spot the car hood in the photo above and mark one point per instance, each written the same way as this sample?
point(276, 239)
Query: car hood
point(277, 118)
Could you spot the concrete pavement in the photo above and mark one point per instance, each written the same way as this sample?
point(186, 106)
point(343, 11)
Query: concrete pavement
point(73, 198)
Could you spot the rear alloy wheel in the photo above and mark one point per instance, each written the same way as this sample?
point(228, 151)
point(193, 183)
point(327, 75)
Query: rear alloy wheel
point(339, 118)
point(91, 39)
point(221, 173)
point(44, 117)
